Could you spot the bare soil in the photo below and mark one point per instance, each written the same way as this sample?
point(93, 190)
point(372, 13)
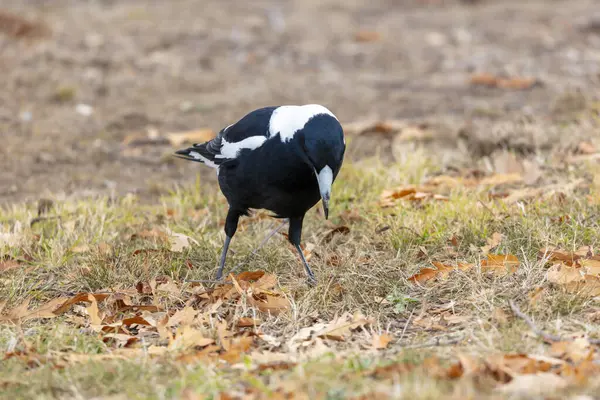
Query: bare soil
point(187, 64)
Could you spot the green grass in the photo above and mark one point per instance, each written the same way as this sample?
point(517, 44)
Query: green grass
point(89, 248)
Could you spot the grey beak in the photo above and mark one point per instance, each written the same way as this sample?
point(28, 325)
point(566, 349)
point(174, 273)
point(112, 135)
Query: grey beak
point(325, 179)
point(326, 207)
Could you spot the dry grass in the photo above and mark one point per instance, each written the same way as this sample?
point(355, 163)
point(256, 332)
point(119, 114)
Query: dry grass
point(86, 246)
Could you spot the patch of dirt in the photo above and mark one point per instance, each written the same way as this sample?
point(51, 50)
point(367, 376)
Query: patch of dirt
point(79, 76)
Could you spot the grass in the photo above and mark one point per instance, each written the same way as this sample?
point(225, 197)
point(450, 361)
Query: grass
point(87, 246)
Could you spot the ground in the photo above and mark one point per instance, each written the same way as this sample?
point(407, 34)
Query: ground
point(472, 129)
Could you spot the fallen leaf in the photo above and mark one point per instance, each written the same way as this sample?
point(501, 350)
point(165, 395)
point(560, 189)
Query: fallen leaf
point(179, 241)
point(93, 311)
point(441, 271)
point(249, 276)
point(187, 337)
point(590, 286)
point(555, 254)
point(182, 317)
point(270, 303)
point(381, 341)
point(344, 230)
point(246, 322)
point(17, 27)
point(342, 327)
point(7, 263)
point(500, 264)
point(237, 348)
point(492, 242)
point(427, 274)
point(389, 198)
point(563, 274)
point(367, 36)
point(586, 148)
point(573, 351)
point(489, 80)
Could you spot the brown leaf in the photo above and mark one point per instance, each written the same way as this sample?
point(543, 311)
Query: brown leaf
point(555, 254)
point(93, 312)
point(136, 320)
point(427, 274)
point(389, 198)
point(183, 317)
point(344, 230)
point(265, 282)
point(381, 341)
point(119, 339)
point(143, 288)
point(573, 351)
point(187, 337)
point(489, 80)
point(563, 274)
point(590, 286)
point(492, 242)
point(586, 148)
point(237, 348)
point(249, 276)
point(367, 36)
point(500, 264)
point(246, 322)
point(342, 327)
point(442, 270)
point(180, 242)
point(270, 303)
point(8, 263)
point(17, 27)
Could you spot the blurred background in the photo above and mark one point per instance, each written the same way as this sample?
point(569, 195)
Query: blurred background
point(97, 93)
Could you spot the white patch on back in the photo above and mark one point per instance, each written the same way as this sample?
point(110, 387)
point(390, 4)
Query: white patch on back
point(287, 120)
point(198, 156)
point(231, 150)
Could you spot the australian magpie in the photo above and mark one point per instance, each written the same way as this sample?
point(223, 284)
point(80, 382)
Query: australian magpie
point(283, 159)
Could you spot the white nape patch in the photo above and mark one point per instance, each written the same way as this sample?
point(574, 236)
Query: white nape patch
point(206, 161)
point(231, 150)
point(325, 179)
point(287, 120)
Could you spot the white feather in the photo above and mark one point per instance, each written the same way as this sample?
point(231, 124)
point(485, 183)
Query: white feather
point(287, 120)
point(205, 160)
point(231, 150)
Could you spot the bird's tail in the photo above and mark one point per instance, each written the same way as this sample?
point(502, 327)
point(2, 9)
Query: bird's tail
point(198, 153)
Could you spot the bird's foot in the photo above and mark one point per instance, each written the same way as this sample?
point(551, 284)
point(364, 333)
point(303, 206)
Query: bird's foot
point(311, 281)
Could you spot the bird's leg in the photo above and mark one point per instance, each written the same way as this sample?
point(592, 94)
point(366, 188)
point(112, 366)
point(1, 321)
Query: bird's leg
point(231, 223)
point(223, 257)
point(295, 234)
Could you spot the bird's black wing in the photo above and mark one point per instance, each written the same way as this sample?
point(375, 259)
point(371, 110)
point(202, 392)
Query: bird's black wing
point(248, 133)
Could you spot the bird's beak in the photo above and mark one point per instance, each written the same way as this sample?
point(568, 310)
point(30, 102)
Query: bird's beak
point(325, 179)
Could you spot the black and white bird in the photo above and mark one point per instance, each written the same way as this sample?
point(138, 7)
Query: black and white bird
point(283, 159)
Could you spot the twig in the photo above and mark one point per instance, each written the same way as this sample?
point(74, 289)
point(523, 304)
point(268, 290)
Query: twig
point(548, 337)
point(406, 324)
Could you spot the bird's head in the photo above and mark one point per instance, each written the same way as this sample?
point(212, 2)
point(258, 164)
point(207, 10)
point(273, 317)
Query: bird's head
point(322, 145)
